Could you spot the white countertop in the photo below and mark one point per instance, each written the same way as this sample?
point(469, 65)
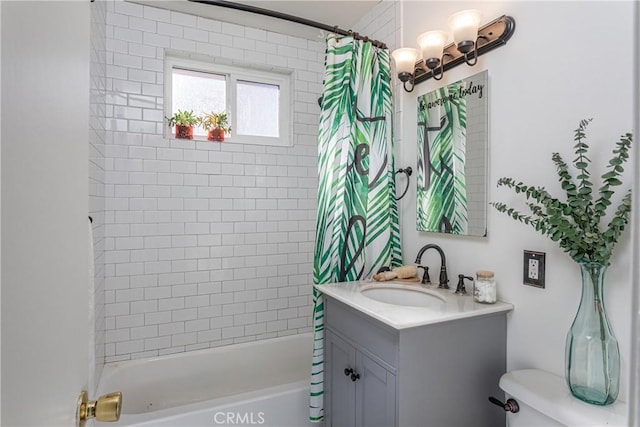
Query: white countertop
point(402, 317)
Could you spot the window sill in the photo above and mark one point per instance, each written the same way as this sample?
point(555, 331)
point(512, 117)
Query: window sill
point(253, 140)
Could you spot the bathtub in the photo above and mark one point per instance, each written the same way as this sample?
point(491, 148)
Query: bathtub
point(262, 383)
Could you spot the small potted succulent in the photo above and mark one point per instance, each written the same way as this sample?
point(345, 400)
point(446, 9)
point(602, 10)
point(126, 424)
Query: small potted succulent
point(216, 124)
point(183, 122)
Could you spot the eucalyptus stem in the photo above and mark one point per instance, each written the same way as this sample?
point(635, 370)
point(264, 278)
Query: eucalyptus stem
point(575, 221)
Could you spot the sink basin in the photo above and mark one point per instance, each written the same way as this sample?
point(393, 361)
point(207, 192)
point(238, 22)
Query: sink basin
point(400, 294)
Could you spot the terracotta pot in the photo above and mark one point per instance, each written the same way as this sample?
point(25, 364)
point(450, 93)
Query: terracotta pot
point(184, 132)
point(216, 134)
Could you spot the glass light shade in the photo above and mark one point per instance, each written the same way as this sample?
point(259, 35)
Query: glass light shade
point(432, 44)
point(464, 25)
point(405, 59)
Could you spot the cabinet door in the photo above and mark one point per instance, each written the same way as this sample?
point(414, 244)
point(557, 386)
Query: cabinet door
point(340, 390)
point(375, 394)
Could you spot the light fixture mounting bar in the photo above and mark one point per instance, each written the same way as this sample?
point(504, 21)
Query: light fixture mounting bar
point(490, 36)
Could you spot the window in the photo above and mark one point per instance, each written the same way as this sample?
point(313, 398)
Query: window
point(257, 109)
point(258, 102)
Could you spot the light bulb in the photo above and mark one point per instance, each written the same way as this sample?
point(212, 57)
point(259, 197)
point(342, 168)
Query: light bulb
point(464, 26)
point(432, 44)
point(405, 59)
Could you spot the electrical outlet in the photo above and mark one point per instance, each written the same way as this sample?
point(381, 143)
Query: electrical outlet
point(533, 269)
point(533, 274)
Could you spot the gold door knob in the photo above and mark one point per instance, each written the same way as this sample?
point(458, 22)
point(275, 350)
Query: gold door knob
point(107, 408)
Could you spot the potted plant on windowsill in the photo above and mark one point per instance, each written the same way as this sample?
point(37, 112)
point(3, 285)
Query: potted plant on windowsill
point(183, 122)
point(216, 125)
point(592, 358)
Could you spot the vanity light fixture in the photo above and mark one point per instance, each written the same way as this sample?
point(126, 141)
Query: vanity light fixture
point(469, 42)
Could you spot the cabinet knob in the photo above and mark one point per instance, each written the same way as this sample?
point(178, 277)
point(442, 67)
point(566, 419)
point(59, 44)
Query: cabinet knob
point(351, 373)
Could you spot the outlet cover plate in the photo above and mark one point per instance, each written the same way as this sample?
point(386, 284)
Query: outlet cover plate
point(533, 259)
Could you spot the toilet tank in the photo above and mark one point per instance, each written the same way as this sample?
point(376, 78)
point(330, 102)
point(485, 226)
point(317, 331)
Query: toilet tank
point(545, 400)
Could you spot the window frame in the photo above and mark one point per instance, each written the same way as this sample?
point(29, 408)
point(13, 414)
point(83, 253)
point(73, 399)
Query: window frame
point(232, 74)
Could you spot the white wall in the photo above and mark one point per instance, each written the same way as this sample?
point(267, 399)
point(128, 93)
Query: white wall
point(0, 216)
point(540, 85)
point(206, 243)
point(634, 394)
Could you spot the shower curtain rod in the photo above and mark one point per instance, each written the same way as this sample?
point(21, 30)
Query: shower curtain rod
point(291, 18)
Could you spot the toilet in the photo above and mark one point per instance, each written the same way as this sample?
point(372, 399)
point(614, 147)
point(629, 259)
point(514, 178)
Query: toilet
point(544, 400)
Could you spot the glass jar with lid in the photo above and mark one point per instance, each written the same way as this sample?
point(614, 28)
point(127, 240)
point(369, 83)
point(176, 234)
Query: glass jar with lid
point(484, 287)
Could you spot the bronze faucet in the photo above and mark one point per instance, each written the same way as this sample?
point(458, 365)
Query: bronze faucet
point(444, 279)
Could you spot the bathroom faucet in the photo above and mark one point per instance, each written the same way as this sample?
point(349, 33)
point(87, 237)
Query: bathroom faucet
point(444, 279)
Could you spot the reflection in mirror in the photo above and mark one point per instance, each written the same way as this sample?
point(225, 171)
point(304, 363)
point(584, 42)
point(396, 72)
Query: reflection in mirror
point(452, 158)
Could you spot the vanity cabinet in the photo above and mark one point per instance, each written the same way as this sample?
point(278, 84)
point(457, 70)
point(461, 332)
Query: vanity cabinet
point(435, 375)
point(362, 388)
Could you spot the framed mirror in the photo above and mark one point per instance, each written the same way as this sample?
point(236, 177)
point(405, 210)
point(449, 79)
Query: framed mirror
point(452, 158)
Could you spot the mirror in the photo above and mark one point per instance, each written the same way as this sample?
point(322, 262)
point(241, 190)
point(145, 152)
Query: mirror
point(452, 158)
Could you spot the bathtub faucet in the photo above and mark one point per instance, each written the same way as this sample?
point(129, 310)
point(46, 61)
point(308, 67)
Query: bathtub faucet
point(444, 279)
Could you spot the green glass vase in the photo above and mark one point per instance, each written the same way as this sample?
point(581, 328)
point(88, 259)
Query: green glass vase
point(591, 353)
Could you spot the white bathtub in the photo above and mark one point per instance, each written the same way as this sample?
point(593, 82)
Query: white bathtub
point(263, 383)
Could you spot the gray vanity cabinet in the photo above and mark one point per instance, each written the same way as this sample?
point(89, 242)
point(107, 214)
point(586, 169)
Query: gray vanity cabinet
point(362, 389)
point(437, 375)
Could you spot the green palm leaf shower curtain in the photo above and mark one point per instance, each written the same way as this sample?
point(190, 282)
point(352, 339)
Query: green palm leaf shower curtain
point(357, 227)
point(442, 192)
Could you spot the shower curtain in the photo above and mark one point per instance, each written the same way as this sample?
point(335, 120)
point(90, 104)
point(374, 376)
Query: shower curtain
point(357, 227)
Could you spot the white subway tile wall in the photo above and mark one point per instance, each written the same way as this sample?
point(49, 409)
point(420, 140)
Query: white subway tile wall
point(206, 244)
point(97, 176)
point(382, 23)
